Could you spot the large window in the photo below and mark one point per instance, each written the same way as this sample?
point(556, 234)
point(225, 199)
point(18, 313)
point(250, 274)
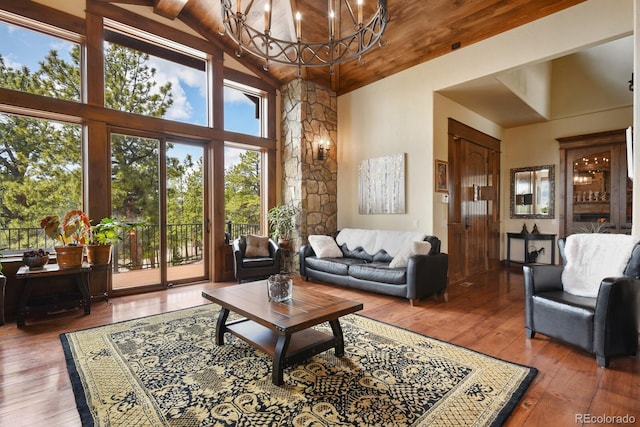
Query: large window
point(40, 175)
point(243, 109)
point(39, 63)
point(143, 155)
point(146, 77)
point(242, 191)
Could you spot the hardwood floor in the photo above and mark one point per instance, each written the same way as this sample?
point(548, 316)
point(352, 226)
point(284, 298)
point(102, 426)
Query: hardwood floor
point(486, 315)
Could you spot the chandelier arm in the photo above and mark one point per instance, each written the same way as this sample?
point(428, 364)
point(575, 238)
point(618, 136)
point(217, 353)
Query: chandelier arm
point(351, 14)
point(304, 54)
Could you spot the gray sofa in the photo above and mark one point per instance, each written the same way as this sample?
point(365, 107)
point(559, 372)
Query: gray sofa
point(358, 268)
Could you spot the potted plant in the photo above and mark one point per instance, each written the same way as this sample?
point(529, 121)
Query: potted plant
point(72, 233)
point(281, 223)
point(103, 236)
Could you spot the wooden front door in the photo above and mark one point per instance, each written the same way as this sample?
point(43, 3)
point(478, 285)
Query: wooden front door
point(473, 226)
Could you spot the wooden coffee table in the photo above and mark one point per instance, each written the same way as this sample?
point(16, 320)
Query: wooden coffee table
point(281, 329)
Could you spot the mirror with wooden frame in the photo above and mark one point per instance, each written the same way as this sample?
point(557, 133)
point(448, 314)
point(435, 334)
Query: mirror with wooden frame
point(533, 192)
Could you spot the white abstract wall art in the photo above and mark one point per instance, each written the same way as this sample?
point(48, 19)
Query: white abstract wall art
point(381, 183)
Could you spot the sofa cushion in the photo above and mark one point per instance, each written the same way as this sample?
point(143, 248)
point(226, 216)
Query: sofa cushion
point(379, 272)
point(257, 246)
point(257, 262)
point(338, 266)
point(325, 246)
point(416, 248)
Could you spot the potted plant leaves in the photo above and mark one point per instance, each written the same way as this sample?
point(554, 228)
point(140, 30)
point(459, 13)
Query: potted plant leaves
point(282, 223)
point(103, 236)
point(72, 233)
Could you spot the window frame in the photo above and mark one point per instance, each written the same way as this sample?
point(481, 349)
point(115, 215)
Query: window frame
point(96, 119)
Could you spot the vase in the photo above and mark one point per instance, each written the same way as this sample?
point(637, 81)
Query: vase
point(69, 256)
point(99, 254)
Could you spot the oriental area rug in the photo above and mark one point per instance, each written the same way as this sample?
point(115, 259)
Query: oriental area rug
point(166, 370)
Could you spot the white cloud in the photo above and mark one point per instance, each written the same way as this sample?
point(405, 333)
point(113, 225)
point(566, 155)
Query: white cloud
point(232, 96)
point(167, 71)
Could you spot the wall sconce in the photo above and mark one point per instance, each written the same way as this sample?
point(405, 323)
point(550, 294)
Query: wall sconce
point(323, 150)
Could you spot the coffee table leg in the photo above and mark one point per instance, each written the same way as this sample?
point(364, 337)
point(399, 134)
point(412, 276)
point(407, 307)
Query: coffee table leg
point(278, 359)
point(221, 325)
point(337, 333)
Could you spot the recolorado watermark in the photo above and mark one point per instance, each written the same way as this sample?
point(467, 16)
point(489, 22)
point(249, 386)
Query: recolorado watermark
point(605, 419)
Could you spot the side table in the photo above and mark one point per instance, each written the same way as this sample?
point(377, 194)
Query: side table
point(527, 238)
point(79, 275)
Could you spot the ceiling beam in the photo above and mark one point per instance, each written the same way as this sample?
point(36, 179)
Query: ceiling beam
point(169, 8)
point(133, 2)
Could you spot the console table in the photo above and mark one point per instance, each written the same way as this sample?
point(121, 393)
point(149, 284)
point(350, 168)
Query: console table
point(42, 277)
point(528, 238)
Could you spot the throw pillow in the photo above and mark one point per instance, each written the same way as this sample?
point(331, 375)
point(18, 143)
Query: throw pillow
point(416, 248)
point(257, 246)
point(324, 246)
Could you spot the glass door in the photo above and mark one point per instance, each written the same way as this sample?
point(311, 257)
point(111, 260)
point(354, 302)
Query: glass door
point(185, 249)
point(159, 186)
point(135, 191)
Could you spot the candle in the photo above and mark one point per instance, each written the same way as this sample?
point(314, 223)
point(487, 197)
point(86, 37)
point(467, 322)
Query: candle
point(266, 17)
point(332, 16)
point(239, 7)
point(360, 11)
point(298, 25)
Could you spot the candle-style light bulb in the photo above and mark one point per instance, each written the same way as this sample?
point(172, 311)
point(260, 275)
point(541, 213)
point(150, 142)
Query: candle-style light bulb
point(298, 25)
point(332, 16)
point(267, 9)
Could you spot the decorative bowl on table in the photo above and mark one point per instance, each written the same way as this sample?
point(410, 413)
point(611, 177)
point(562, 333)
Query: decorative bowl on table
point(279, 287)
point(35, 259)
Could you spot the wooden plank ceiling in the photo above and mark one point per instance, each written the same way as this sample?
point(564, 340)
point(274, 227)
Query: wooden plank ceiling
point(417, 31)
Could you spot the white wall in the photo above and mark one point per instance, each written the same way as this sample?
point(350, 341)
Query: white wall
point(402, 113)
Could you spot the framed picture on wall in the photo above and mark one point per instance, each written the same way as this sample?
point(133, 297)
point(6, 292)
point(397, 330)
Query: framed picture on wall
point(442, 176)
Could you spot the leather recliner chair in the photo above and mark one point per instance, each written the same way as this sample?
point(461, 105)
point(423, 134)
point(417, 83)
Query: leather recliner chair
point(255, 267)
point(604, 326)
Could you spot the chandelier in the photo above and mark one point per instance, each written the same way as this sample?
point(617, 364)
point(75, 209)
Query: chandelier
point(241, 25)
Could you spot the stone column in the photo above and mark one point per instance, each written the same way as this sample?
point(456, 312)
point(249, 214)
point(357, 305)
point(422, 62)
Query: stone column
point(309, 118)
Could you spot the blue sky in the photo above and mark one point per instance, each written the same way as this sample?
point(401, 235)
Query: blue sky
point(22, 47)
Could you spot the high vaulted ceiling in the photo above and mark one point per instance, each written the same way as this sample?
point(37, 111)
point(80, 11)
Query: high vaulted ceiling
point(418, 30)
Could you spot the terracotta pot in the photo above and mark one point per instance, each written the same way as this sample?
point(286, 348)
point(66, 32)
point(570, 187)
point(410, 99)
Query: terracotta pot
point(69, 256)
point(99, 254)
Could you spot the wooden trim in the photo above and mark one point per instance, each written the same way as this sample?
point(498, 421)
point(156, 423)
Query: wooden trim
point(249, 80)
point(93, 89)
point(136, 21)
point(593, 139)
point(48, 15)
point(36, 103)
point(458, 129)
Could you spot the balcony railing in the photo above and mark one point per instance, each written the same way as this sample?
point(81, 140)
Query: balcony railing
point(138, 249)
point(237, 229)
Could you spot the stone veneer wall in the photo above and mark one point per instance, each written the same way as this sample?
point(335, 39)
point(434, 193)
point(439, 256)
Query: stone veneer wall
point(309, 116)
